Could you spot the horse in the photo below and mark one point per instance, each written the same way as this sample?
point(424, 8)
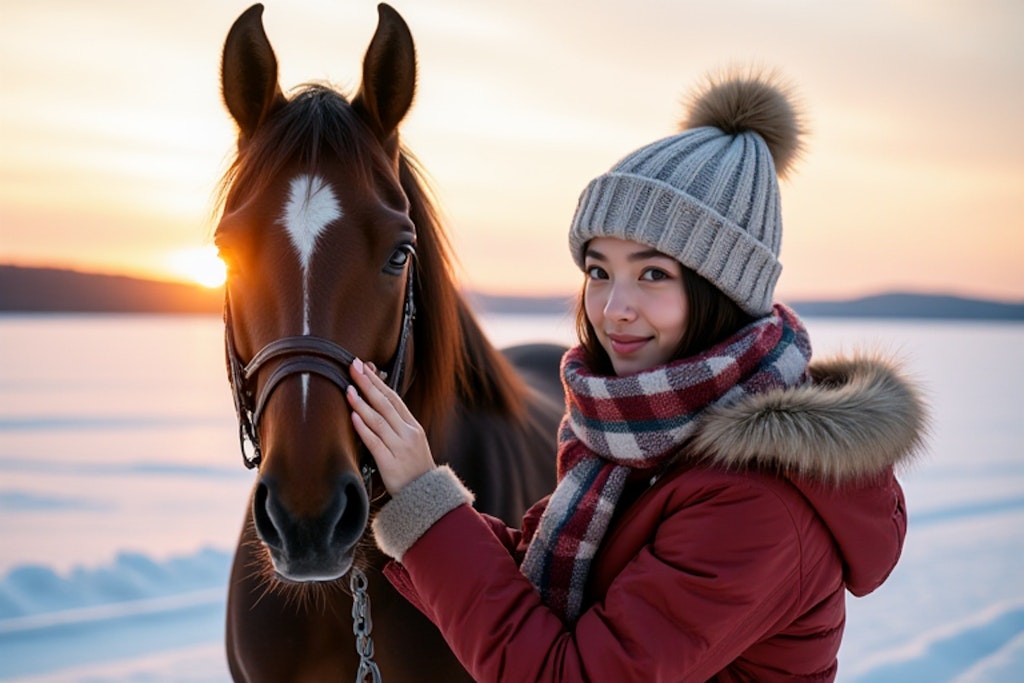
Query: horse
point(335, 250)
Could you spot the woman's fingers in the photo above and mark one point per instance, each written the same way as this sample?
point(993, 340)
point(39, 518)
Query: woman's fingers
point(372, 403)
point(369, 371)
point(373, 427)
point(378, 449)
point(392, 435)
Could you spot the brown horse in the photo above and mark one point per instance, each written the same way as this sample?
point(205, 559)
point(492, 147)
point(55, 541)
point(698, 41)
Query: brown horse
point(335, 251)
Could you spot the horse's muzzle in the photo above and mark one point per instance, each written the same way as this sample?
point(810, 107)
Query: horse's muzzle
point(312, 548)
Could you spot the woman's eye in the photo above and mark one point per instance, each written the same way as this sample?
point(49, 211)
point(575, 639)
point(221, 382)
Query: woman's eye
point(596, 273)
point(654, 274)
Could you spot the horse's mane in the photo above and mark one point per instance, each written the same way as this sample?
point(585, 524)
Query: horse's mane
point(452, 355)
point(452, 359)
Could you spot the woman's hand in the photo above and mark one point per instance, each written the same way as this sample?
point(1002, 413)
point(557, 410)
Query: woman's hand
point(394, 438)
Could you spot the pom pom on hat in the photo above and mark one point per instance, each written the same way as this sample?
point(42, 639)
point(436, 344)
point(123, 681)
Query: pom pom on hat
point(708, 196)
point(736, 102)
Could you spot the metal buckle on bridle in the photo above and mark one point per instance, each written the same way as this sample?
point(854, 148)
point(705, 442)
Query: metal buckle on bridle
point(240, 394)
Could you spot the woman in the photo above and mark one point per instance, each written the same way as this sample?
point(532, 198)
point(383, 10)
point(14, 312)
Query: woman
point(717, 493)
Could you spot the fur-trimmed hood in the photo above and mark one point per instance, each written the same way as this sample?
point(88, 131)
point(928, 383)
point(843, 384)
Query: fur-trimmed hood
point(837, 441)
point(858, 417)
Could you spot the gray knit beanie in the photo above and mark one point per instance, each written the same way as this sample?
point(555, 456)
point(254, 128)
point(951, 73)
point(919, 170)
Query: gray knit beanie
point(708, 196)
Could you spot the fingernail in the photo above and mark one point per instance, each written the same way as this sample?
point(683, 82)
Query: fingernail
point(357, 365)
point(373, 368)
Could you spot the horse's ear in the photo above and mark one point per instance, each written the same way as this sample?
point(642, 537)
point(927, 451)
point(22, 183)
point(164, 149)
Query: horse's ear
point(389, 74)
point(249, 73)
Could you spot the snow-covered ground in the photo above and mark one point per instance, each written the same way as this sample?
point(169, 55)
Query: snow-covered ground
point(121, 492)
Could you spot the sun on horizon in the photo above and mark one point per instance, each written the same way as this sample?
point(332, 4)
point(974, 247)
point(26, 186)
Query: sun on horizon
point(200, 265)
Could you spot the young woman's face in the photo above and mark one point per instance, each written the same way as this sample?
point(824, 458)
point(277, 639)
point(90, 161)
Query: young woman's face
point(636, 302)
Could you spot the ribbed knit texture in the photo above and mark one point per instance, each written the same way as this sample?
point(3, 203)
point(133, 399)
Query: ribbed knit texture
point(706, 198)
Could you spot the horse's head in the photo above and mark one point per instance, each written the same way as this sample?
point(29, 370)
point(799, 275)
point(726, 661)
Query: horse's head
point(319, 242)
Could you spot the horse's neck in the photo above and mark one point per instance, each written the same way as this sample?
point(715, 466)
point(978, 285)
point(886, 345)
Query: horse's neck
point(494, 385)
point(501, 436)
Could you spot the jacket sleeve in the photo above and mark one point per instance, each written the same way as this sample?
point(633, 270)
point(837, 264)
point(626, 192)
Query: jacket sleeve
point(424, 501)
point(722, 566)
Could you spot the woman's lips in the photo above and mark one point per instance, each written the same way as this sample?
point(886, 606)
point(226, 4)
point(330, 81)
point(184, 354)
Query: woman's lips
point(624, 344)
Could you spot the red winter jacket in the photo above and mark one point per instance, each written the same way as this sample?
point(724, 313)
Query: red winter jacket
point(731, 567)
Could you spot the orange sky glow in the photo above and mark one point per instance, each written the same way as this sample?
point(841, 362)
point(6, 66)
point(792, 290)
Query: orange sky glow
point(113, 135)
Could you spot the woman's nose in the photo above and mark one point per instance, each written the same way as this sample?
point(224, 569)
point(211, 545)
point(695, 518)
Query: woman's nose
point(620, 304)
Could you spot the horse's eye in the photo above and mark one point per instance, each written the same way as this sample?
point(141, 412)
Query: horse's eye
point(399, 257)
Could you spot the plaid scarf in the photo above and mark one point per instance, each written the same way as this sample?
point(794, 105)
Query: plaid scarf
point(616, 425)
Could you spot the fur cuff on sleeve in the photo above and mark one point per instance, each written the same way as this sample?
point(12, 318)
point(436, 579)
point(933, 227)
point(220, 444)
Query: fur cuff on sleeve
point(416, 508)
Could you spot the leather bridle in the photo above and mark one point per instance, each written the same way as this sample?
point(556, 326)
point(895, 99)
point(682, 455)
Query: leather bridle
point(300, 355)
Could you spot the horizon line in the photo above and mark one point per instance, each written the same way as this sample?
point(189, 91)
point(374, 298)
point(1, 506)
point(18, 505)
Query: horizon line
point(146, 276)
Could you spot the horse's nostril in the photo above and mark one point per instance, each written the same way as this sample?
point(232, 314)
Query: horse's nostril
point(354, 512)
point(265, 526)
point(338, 528)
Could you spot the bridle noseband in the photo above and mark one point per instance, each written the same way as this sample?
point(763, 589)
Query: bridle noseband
point(301, 355)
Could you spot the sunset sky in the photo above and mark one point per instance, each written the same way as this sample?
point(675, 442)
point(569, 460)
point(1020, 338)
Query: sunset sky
point(113, 134)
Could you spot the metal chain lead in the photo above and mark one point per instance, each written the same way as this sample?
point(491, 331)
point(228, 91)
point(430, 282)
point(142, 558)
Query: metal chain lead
point(362, 625)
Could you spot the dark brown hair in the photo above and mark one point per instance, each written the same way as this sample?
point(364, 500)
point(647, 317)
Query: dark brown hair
point(712, 318)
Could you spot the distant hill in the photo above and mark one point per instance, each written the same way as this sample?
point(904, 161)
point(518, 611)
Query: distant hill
point(915, 306)
point(51, 290)
point(54, 290)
